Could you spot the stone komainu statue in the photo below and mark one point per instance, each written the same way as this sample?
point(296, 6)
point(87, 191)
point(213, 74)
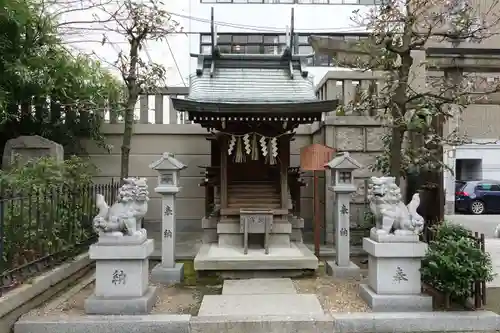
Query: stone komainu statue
point(124, 217)
point(391, 215)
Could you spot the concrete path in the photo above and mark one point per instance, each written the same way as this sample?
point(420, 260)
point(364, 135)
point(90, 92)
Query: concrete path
point(485, 224)
point(260, 297)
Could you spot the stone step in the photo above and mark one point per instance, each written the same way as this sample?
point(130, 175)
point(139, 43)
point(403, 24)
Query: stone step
point(260, 305)
point(258, 287)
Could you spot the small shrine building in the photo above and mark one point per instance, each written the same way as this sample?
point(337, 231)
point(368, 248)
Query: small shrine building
point(251, 104)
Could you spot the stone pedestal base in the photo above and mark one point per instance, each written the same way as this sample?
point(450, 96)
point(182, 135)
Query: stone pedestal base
point(211, 257)
point(121, 283)
point(394, 276)
point(121, 306)
point(209, 226)
point(297, 226)
point(334, 270)
point(167, 275)
point(394, 303)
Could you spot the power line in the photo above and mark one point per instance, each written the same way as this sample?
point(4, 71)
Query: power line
point(175, 62)
point(254, 27)
point(264, 29)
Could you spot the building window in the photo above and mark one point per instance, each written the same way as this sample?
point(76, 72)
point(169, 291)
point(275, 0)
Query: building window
point(269, 44)
point(300, 2)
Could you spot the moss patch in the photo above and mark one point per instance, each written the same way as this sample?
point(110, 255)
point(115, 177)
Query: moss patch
point(192, 278)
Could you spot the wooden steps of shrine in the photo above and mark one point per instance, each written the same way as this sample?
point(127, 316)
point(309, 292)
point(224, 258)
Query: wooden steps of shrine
point(253, 194)
point(236, 219)
point(257, 194)
point(254, 206)
point(254, 198)
point(253, 191)
point(271, 188)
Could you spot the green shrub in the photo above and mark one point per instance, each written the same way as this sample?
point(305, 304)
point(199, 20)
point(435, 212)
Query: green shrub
point(454, 261)
point(45, 208)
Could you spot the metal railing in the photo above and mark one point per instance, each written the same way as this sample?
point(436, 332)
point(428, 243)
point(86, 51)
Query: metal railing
point(41, 228)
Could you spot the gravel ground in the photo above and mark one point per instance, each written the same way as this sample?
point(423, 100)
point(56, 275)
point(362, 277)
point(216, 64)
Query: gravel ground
point(335, 295)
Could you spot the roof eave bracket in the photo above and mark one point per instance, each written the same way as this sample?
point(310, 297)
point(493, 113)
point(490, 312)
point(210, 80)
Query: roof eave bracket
point(215, 56)
point(199, 67)
point(212, 68)
point(302, 68)
point(287, 56)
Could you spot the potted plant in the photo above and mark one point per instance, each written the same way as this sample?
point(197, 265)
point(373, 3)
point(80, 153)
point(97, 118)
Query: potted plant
point(454, 262)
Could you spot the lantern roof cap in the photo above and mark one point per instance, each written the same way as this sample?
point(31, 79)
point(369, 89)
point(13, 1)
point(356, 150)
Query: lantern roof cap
point(343, 161)
point(168, 162)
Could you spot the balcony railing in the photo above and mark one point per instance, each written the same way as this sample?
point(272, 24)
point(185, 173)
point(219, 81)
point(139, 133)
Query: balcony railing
point(156, 108)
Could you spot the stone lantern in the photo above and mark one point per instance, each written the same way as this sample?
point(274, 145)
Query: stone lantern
point(342, 168)
point(168, 168)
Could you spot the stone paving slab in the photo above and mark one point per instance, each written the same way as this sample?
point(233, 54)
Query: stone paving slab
point(105, 324)
point(260, 305)
point(362, 322)
point(403, 322)
point(262, 324)
point(258, 286)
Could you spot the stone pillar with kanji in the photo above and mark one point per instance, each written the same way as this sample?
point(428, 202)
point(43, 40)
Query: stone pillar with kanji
point(168, 271)
point(342, 167)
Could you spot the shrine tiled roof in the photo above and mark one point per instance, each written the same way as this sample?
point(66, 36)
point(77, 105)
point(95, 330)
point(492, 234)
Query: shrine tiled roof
point(252, 85)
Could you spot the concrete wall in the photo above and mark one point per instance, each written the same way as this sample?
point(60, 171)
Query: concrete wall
point(34, 292)
point(359, 135)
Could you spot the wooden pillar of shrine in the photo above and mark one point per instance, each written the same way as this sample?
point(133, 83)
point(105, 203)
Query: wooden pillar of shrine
point(284, 154)
point(223, 171)
point(211, 176)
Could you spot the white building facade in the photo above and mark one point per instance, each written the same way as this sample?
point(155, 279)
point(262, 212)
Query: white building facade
point(255, 26)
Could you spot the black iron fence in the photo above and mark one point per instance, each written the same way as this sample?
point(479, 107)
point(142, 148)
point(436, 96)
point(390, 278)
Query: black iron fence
point(40, 228)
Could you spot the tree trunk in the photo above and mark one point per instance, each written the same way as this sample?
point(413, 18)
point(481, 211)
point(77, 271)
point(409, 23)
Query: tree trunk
point(127, 137)
point(395, 150)
point(133, 94)
point(398, 111)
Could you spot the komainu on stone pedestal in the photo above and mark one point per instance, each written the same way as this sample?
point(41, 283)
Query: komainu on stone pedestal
point(122, 254)
point(120, 223)
point(392, 216)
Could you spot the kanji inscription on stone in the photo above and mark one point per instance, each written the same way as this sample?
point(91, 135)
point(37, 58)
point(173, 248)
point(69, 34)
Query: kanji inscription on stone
point(343, 232)
point(168, 211)
point(400, 275)
point(119, 277)
point(344, 210)
point(167, 233)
